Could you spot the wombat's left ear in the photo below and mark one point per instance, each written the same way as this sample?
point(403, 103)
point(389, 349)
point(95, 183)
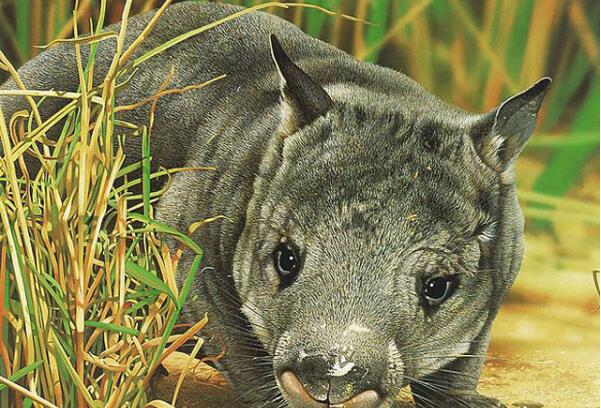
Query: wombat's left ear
point(304, 99)
point(500, 135)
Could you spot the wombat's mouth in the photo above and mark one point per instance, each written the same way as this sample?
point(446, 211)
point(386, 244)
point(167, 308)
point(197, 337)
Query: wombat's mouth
point(297, 396)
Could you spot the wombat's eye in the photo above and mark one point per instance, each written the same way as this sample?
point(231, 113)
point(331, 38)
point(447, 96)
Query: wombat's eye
point(286, 262)
point(437, 289)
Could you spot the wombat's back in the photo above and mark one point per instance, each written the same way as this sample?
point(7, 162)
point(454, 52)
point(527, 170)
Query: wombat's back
point(239, 49)
point(235, 49)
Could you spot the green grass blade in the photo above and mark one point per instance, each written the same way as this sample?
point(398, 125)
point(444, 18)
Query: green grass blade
point(23, 17)
point(22, 373)
point(565, 168)
point(144, 276)
point(517, 43)
point(146, 171)
point(156, 226)
point(572, 139)
point(561, 95)
point(112, 327)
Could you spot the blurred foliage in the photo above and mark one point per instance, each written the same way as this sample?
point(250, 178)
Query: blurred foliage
point(472, 53)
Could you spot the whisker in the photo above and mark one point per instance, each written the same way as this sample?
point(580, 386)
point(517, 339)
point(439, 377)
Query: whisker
point(436, 389)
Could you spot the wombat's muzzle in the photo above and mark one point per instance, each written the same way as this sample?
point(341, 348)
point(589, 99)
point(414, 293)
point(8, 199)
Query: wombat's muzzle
point(333, 380)
point(336, 359)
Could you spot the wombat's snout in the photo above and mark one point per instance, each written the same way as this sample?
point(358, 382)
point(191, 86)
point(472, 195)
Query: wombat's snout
point(320, 381)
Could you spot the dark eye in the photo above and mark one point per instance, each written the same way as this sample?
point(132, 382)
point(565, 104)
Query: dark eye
point(286, 262)
point(437, 289)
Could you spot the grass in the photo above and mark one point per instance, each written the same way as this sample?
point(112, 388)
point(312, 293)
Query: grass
point(88, 299)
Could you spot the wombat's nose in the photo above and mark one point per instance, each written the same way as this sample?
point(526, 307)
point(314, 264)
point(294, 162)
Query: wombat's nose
point(299, 397)
point(317, 382)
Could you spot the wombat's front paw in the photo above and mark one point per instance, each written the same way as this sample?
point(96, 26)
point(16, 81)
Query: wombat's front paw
point(461, 399)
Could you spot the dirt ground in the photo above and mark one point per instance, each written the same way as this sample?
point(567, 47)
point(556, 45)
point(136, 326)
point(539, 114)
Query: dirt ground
point(545, 347)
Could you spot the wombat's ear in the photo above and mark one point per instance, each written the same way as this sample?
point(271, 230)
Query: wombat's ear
point(501, 134)
point(304, 99)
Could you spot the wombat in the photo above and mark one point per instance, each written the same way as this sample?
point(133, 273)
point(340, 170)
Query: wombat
point(371, 230)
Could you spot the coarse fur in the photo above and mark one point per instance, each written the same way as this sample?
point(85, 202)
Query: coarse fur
point(379, 184)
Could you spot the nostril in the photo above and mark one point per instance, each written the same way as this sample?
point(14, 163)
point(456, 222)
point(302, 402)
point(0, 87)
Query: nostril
point(312, 373)
point(315, 367)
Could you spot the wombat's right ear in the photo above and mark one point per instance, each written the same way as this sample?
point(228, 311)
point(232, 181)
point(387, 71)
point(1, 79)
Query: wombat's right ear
point(304, 99)
point(501, 134)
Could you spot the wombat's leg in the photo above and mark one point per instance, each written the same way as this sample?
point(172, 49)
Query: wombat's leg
point(455, 385)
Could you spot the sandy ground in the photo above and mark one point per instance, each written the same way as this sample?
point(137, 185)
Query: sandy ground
point(545, 347)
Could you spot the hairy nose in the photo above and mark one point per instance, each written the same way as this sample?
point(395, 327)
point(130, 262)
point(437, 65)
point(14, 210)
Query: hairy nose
point(331, 381)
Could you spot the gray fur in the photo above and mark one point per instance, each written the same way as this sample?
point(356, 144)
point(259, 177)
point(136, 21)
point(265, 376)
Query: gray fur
point(386, 184)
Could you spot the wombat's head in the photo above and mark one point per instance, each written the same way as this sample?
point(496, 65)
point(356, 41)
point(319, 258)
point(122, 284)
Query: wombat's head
point(379, 242)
